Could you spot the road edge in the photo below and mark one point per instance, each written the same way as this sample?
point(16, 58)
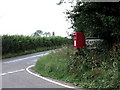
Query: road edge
point(49, 80)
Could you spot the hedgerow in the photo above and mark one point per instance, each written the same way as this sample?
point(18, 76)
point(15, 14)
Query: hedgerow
point(20, 43)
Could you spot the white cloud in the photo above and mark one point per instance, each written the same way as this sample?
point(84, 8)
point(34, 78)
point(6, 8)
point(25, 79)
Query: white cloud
point(27, 16)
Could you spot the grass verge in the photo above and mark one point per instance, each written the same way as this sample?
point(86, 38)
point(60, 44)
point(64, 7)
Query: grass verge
point(53, 65)
point(85, 71)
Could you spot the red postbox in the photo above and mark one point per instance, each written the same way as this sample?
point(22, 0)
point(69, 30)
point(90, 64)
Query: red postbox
point(79, 40)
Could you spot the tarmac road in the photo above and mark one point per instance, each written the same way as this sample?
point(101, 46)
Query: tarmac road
point(15, 75)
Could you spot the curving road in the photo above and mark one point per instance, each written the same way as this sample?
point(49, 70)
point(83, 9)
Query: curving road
point(15, 75)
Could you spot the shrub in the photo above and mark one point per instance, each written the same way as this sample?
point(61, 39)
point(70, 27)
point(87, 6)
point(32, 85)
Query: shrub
point(96, 69)
point(20, 43)
point(87, 69)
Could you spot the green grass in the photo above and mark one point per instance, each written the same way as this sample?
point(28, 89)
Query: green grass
point(54, 65)
point(79, 70)
point(9, 55)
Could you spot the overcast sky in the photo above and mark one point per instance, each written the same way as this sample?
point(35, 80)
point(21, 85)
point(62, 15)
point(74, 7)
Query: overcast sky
point(27, 16)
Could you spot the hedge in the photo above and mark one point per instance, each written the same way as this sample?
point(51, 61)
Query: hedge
point(20, 43)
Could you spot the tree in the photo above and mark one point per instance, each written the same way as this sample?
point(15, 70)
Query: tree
point(47, 34)
point(37, 33)
point(53, 33)
point(99, 19)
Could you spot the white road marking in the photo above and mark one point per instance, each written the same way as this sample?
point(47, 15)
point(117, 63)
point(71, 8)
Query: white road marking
point(17, 60)
point(12, 72)
point(27, 69)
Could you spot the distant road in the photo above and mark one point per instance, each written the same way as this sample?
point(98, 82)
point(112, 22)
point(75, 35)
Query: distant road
point(14, 74)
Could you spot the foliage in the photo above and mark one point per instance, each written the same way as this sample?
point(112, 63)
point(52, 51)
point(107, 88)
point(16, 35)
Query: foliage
point(53, 64)
point(89, 69)
point(37, 33)
point(96, 69)
point(20, 43)
point(53, 33)
point(47, 34)
point(40, 33)
point(99, 19)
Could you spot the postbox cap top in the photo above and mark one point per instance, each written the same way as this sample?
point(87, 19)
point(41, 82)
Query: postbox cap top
point(78, 33)
point(74, 33)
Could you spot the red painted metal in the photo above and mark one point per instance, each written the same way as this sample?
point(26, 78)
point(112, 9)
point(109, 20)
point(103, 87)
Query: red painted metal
point(79, 40)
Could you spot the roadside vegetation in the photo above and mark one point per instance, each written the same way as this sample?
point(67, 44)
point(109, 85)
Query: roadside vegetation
point(88, 69)
point(15, 45)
